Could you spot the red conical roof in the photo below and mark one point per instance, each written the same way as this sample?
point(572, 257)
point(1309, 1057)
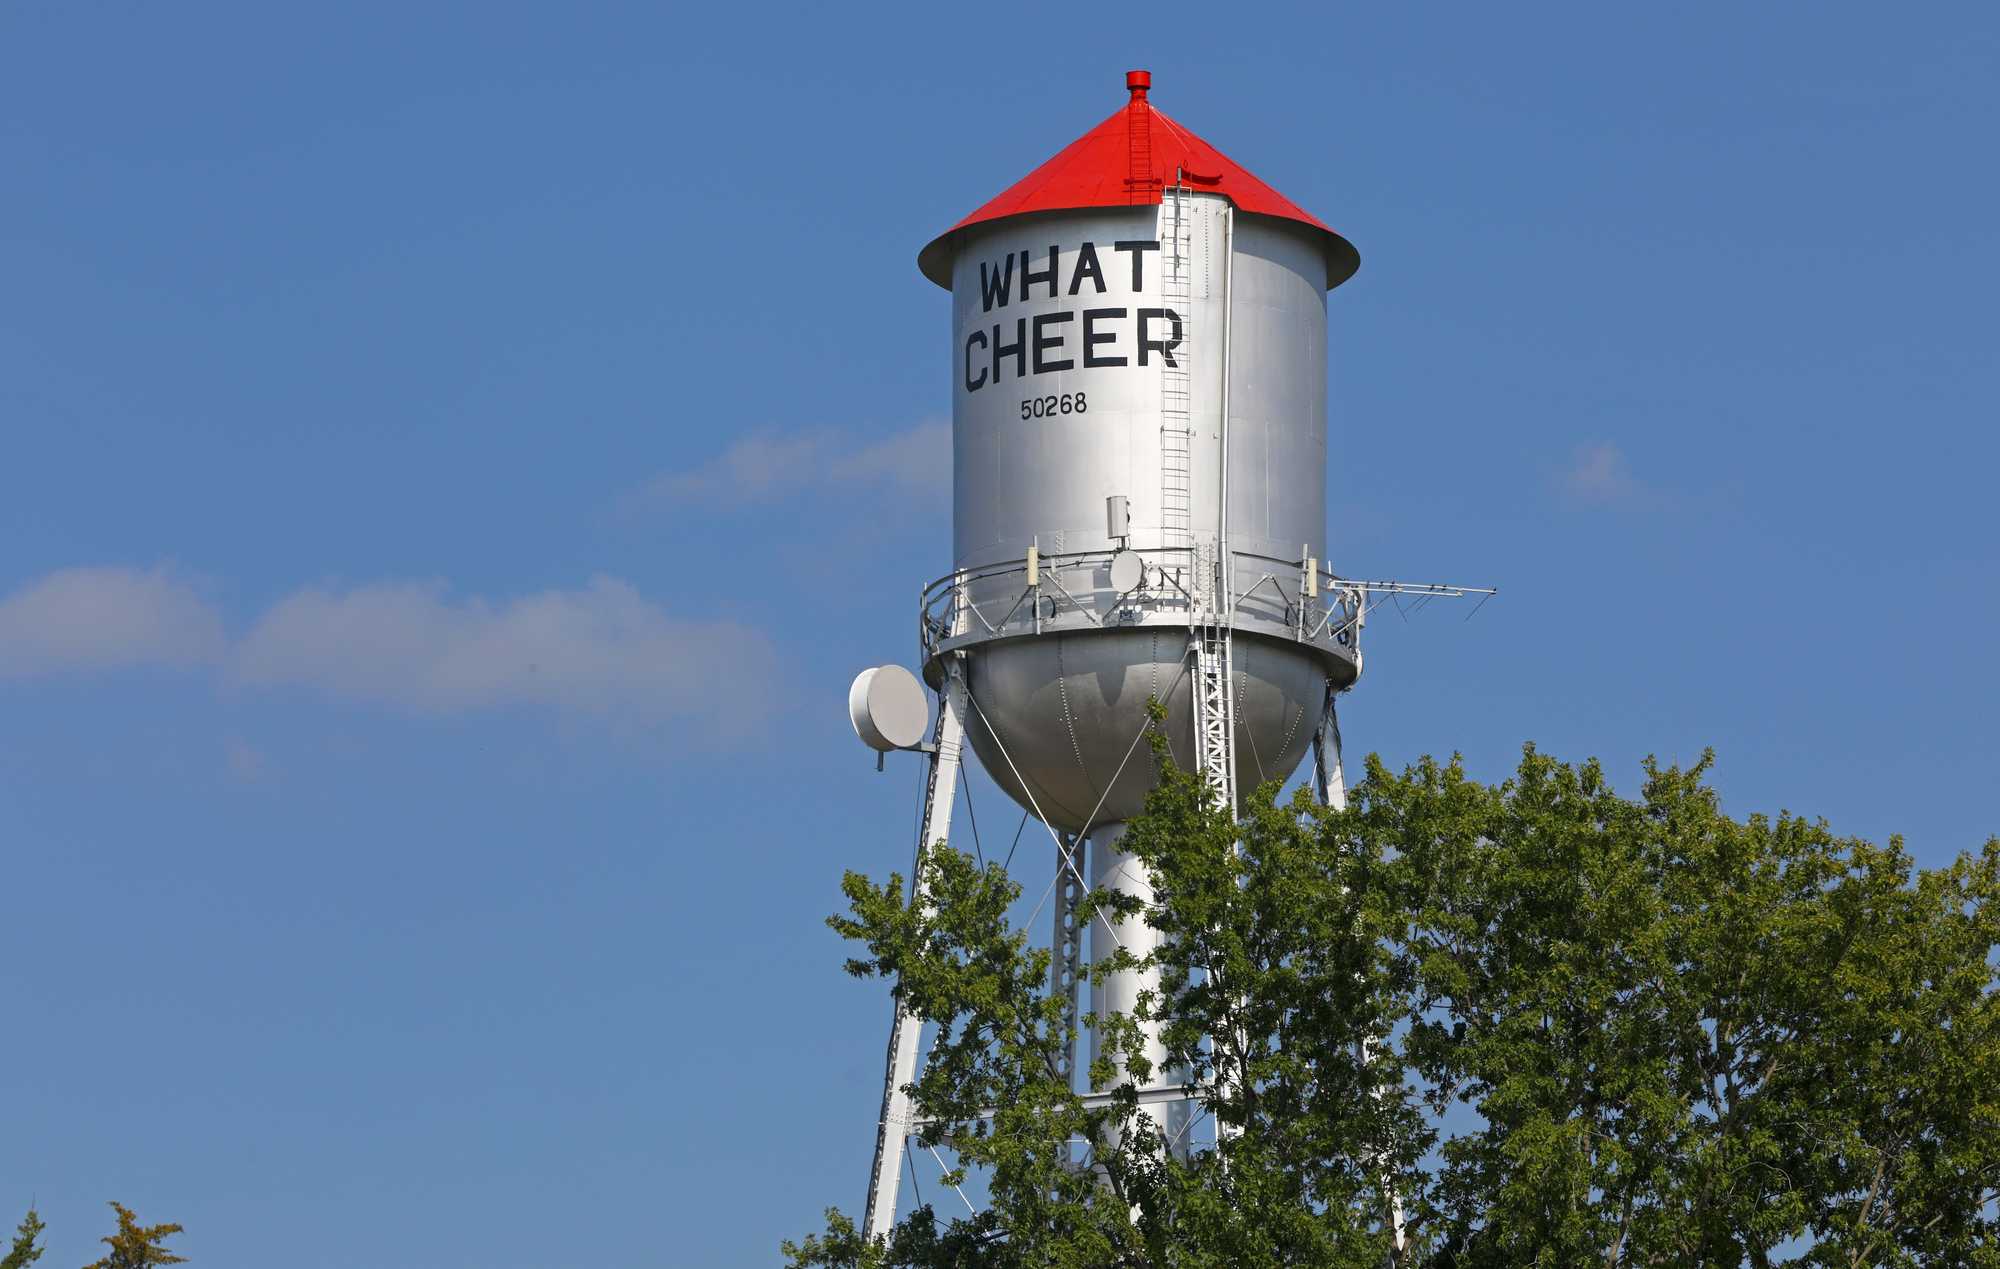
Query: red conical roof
point(1128, 161)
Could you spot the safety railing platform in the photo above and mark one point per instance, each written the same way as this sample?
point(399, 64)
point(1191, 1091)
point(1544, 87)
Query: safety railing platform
point(1299, 600)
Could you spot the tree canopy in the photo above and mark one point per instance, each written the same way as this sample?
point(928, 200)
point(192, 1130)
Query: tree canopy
point(136, 1246)
point(24, 1251)
point(1462, 1024)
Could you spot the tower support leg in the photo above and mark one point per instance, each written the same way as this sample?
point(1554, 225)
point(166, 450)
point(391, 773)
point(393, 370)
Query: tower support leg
point(1066, 946)
point(1330, 782)
point(892, 1131)
point(1329, 779)
point(1215, 719)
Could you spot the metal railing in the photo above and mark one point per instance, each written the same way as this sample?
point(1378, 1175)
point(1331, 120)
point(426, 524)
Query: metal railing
point(1299, 598)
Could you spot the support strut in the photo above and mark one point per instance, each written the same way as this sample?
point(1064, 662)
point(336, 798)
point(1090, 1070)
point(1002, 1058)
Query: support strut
point(892, 1131)
point(1330, 783)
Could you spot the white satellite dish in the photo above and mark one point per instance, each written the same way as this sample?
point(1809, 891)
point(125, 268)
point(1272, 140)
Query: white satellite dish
point(888, 708)
point(1126, 572)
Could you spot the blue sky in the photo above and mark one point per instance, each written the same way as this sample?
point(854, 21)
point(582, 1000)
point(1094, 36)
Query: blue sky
point(456, 457)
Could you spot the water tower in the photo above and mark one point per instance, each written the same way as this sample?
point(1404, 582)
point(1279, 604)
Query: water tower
point(1139, 405)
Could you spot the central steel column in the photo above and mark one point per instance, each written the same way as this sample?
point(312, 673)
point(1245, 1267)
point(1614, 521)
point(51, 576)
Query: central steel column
point(1112, 869)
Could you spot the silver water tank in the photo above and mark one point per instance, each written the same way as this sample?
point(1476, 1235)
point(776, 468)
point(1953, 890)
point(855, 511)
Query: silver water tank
point(1107, 312)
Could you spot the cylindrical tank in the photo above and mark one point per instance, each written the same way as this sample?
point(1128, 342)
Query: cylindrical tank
point(1138, 362)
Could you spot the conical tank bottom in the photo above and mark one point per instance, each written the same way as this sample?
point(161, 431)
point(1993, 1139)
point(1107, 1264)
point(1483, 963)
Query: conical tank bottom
point(1060, 719)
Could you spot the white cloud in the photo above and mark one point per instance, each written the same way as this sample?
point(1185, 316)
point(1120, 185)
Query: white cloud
point(768, 464)
point(919, 458)
point(103, 619)
point(1599, 473)
point(603, 651)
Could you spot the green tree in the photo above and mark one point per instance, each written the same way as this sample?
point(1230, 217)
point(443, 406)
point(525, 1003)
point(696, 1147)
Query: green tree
point(136, 1246)
point(1544, 1023)
point(24, 1252)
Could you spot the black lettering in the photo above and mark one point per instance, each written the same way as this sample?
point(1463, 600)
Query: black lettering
point(1029, 278)
point(1091, 339)
point(998, 287)
point(1138, 252)
point(1050, 341)
point(1086, 266)
point(972, 384)
point(1018, 350)
point(1164, 347)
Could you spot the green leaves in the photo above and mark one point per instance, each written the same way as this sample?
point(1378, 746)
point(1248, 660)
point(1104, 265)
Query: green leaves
point(1689, 1038)
point(136, 1246)
point(133, 1246)
point(24, 1252)
point(1546, 1023)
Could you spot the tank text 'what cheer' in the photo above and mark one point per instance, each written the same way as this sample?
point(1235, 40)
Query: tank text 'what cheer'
point(1051, 342)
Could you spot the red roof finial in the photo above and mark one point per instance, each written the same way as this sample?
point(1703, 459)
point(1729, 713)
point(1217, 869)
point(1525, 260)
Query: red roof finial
point(1137, 82)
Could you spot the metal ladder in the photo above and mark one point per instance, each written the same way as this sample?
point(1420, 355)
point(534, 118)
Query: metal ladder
point(1215, 678)
point(1139, 180)
point(1176, 404)
point(1210, 609)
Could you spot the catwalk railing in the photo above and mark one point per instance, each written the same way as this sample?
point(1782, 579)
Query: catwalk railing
point(1297, 599)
